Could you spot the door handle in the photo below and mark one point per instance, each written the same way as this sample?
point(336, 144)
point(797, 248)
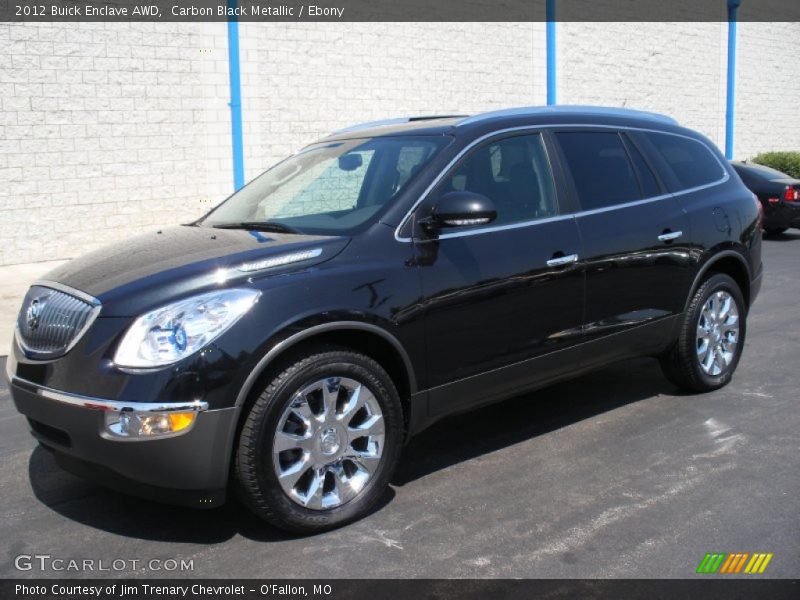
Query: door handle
point(562, 260)
point(668, 236)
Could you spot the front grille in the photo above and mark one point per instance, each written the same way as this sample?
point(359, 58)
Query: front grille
point(51, 321)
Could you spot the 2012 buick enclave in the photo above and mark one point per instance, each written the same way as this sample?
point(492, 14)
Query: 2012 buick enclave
point(292, 339)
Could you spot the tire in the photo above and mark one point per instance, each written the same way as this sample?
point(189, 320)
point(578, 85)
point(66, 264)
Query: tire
point(775, 230)
point(684, 363)
point(295, 401)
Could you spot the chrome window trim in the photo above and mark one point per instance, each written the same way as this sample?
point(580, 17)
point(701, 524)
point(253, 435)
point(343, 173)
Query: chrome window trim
point(102, 404)
point(65, 289)
point(522, 128)
point(490, 229)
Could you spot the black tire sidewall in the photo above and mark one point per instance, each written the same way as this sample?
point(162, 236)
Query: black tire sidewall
point(291, 515)
point(716, 283)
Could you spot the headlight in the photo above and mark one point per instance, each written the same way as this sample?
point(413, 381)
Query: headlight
point(177, 330)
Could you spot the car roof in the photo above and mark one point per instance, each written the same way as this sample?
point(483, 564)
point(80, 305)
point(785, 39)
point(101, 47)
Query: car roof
point(510, 117)
point(422, 125)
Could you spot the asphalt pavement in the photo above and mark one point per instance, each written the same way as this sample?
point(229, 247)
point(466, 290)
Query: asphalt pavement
point(615, 474)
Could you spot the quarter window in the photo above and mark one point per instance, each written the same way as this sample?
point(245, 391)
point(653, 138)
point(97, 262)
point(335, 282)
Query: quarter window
point(691, 161)
point(600, 168)
point(512, 172)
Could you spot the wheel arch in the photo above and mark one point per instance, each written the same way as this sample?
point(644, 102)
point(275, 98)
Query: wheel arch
point(731, 263)
point(367, 338)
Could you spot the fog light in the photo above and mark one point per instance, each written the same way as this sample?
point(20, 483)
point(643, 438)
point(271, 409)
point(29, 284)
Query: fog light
point(142, 425)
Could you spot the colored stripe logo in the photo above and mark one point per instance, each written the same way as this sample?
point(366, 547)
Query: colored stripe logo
point(734, 563)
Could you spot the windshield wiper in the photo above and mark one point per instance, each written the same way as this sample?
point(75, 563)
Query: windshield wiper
point(272, 226)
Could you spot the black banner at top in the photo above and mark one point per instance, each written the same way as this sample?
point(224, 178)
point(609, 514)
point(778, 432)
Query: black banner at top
point(397, 10)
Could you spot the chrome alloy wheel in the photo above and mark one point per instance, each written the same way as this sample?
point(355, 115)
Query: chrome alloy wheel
point(717, 333)
point(328, 443)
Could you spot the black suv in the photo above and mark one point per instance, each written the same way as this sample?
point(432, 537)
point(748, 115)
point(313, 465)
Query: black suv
point(380, 279)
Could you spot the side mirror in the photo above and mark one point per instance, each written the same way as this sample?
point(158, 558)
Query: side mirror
point(350, 162)
point(460, 209)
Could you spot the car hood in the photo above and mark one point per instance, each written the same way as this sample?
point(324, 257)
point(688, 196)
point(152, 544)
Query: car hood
point(142, 272)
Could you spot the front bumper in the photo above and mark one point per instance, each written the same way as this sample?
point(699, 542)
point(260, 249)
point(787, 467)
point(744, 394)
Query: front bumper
point(190, 469)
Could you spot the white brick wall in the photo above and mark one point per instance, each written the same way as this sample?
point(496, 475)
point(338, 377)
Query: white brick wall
point(107, 130)
point(302, 81)
point(767, 83)
point(673, 68)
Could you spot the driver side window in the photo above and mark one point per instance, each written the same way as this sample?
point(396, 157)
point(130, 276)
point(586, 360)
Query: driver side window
point(513, 173)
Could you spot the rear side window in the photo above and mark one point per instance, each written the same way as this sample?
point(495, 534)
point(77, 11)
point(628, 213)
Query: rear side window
point(600, 167)
point(691, 161)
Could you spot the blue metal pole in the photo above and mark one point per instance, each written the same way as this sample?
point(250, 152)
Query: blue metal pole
point(236, 101)
point(551, 51)
point(730, 107)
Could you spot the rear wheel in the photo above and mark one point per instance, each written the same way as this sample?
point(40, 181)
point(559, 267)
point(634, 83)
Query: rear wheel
point(321, 441)
point(711, 337)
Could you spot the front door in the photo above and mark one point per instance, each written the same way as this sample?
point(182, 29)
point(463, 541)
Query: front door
point(499, 297)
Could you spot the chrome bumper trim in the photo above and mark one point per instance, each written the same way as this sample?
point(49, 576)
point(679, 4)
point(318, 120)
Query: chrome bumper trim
point(107, 405)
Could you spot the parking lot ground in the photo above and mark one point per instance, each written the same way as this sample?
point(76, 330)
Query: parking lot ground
point(615, 474)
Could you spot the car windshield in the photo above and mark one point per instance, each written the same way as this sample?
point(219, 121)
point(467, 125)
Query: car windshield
point(330, 188)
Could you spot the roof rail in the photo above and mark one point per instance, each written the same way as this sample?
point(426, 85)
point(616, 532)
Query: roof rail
point(395, 121)
point(568, 109)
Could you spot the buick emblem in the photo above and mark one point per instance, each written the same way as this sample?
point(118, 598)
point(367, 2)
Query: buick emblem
point(33, 314)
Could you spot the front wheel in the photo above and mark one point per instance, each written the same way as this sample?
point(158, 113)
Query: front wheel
point(320, 443)
point(711, 337)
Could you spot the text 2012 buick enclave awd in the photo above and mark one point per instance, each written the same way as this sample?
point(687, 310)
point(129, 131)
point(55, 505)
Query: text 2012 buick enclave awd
point(393, 273)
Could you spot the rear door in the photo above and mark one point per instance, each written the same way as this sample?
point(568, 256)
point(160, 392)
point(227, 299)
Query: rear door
point(635, 241)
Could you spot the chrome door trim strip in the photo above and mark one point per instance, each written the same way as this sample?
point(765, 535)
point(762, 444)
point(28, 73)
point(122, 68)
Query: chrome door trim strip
point(490, 229)
point(532, 128)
